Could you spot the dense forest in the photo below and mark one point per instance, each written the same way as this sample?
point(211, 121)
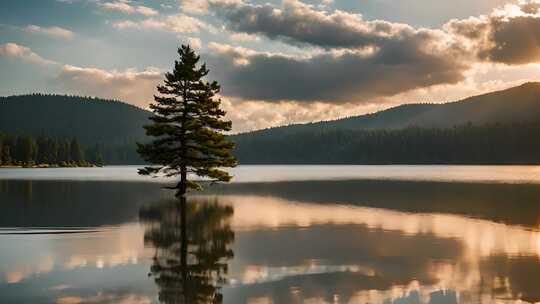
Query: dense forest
point(26, 150)
point(517, 143)
point(496, 128)
point(30, 151)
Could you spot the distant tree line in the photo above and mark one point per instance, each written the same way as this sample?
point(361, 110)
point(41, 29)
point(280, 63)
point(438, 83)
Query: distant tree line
point(28, 151)
point(517, 143)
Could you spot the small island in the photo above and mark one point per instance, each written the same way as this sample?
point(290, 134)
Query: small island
point(45, 152)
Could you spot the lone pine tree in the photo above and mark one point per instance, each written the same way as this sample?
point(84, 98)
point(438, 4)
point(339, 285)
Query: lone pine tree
point(187, 126)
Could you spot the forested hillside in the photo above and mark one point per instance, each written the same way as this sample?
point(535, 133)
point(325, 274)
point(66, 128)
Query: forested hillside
point(90, 120)
point(108, 126)
point(517, 143)
point(500, 127)
point(496, 128)
point(514, 105)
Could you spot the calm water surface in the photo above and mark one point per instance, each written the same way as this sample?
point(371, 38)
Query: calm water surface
point(306, 234)
point(499, 174)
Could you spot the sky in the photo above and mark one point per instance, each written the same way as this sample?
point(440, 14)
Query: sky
point(278, 61)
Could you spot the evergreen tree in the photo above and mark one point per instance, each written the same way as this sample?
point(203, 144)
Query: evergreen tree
point(187, 126)
point(95, 155)
point(99, 159)
point(6, 155)
point(76, 151)
point(52, 151)
point(26, 149)
point(18, 151)
point(42, 147)
point(64, 152)
point(8, 150)
point(2, 144)
point(193, 245)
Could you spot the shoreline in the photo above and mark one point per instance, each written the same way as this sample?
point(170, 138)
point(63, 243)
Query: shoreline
point(45, 166)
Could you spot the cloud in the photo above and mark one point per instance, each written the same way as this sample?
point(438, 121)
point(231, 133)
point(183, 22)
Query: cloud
point(338, 60)
point(299, 23)
point(254, 115)
point(53, 31)
point(179, 23)
point(120, 298)
point(363, 61)
point(124, 6)
point(134, 86)
point(510, 35)
point(248, 115)
point(243, 37)
point(13, 50)
point(197, 7)
point(194, 42)
point(202, 7)
point(332, 77)
point(359, 61)
point(514, 41)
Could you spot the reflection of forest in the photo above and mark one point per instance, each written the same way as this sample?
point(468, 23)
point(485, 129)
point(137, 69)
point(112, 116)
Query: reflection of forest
point(192, 247)
point(495, 202)
point(52, 203)
point(93, 203)
point(297, 241)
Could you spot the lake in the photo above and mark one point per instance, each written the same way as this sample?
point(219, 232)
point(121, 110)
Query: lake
point(278, 234)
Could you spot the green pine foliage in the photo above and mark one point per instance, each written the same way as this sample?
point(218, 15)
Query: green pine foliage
point(2, 147)
point(76, 151)
point(188, 127)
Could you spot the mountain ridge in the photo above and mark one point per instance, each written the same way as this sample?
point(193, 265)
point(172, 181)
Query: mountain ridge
point(89, 119)
point(416, 114)
point(440, 115)
point(503, 124)
point(495, 128)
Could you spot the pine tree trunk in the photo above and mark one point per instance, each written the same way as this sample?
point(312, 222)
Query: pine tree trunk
point(183, 170)
point(184, 247)
point(183, 183)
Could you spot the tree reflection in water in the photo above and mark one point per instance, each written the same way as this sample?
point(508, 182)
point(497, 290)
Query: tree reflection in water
point(192, 241)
